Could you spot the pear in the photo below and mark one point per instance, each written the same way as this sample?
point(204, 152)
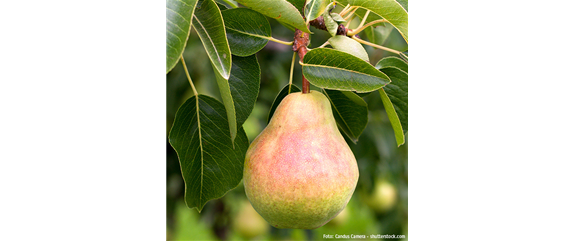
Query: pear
point(299, 172)
point(383, 198)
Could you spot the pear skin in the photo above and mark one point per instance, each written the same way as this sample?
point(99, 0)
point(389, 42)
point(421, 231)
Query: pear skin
point(299, 172)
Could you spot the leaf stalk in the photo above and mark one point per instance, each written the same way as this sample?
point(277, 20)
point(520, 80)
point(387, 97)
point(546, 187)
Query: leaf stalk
point(364, 18)
point(280, 41)
point(376, 45)
point(188, 77)
point(291, 72)
point(358, 30)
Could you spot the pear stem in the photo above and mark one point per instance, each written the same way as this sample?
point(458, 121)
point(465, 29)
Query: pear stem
point(302, 51)
point(300, 43)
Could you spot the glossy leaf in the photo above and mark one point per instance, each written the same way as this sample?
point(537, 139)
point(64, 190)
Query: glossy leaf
point(298, 4)
point(210, 164)
point(350, 46)
point(395, 95)
point(404, 4)
point(338, 18)
point(227, 98)
point(350, 112)
point(393, 61)
point(208, 23)
point(398, 93)
point(379, 34)
point(314, 9)
point(239, 93)
point(244, 84)
point(333, 69)
point(247, 31)
point(330, 23)
point(178, 25)
point(393, 117)
point(288, 89)
point(221, 6)
point(390, 10)
point(281, 10)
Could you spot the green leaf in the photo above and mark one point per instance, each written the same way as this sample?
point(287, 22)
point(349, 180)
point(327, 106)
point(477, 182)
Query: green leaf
point(378, 34)
point(350, 112)
point(350, 46)
point(404, 4)
point(288, 89)
point(395, 95)
point(333, 69)
point(239, 93)
point(398, 93)
point(337, 18)
point(330, 23)
point(210, 164)
point(360, 12)
point(244, 84)
point(227, 98)
point(208, 23)
point(221, 6)
point(314, 9)
point(178, 24)
point(298, 4)
point(281, 10)
point(247, 31)
point(390, 10)
point(393, 61)
point(393, 117)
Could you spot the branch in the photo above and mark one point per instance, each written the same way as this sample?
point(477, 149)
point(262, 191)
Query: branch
point(300, 43)
point(319, 23)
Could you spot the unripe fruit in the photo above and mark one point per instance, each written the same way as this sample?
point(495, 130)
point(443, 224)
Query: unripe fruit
point(299, 172)
point(383, 198)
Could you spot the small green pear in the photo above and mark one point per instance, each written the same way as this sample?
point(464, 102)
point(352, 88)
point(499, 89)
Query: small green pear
point(383, 198)
point(299, 172)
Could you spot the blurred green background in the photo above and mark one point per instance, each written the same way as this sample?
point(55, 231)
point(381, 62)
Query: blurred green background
point(379, 204)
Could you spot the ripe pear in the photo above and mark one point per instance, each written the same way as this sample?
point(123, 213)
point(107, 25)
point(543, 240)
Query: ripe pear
point(299, 172)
